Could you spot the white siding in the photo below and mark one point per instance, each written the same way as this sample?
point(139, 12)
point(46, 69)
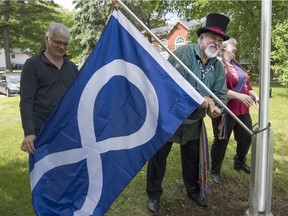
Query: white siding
point(20, 58)
point(2, 59)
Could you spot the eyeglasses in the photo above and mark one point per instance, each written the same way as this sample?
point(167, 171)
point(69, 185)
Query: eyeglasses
point(59, 43)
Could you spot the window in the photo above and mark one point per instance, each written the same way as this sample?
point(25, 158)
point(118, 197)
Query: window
point(12, 56)
point(179, 41)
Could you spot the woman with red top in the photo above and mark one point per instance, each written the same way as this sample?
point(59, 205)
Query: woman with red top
point(240, 97)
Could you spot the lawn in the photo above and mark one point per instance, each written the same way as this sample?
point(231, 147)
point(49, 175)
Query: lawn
point(15, 196)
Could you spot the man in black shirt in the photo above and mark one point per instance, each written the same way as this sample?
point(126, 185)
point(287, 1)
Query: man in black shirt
point(44, 80)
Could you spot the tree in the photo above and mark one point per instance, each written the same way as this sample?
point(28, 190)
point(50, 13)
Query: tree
point(19, 25)
point(92, 16)
point(245, 24)
point(280, 53)
point(90, 19)
point(23, 24)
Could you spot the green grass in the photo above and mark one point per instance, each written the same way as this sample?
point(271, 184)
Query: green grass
point(15, 195)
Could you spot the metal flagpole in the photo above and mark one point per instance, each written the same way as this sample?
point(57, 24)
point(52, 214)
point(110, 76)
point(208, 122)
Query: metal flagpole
point(185, 67)
point(262, 145)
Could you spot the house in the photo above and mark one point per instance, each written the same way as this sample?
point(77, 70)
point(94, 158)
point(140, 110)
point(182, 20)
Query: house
point(174, 35)
point(18, 58)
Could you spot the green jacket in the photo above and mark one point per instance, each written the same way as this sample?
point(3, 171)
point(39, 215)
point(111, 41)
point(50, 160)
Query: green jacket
point(214, 79)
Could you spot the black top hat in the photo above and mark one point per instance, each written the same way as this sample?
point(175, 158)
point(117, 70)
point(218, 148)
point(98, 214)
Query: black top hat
point(216, 23)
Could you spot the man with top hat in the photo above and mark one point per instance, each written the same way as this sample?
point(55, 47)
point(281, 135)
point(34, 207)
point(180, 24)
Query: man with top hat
point(202, 60)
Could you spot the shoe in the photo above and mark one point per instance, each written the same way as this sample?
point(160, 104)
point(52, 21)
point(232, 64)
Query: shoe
point(217, 179)
point(244, 167)
point(241, 165)
point(153, 205)
point(201, 202)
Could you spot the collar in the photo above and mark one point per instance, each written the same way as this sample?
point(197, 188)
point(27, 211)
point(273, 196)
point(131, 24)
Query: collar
point(45, 59)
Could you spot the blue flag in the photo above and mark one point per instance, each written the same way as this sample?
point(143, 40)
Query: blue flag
point(126, 102)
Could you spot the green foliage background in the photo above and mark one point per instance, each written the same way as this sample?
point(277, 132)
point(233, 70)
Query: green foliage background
point(27, 21)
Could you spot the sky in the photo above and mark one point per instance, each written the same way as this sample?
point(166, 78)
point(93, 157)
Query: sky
point(68, 4)
point(65, 3)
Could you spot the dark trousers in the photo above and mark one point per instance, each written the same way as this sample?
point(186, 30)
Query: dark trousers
point(190, 169)
point(242, 137)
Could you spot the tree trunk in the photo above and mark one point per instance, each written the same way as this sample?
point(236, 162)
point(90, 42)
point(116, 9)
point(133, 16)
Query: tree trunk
point(7, 49)
point(6, 37)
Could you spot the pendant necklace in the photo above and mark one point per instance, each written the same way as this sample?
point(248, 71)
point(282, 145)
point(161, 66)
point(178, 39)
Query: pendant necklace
point(203, 69)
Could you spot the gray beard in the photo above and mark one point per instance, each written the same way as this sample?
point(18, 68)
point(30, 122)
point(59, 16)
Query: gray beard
point(209, 54)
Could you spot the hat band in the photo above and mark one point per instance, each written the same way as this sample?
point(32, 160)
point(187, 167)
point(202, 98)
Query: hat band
point(220, 31)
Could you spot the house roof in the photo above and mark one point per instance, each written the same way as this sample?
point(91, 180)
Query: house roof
point(188, 24)
point(163, 30)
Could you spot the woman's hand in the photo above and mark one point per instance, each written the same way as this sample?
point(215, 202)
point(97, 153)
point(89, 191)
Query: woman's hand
point(246, 99)
point(256, 101)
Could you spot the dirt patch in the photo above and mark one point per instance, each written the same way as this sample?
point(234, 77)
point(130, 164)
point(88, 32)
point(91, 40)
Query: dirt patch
point(232, 198)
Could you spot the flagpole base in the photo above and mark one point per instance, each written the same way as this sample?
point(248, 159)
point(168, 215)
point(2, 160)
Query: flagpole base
point(249, 213)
